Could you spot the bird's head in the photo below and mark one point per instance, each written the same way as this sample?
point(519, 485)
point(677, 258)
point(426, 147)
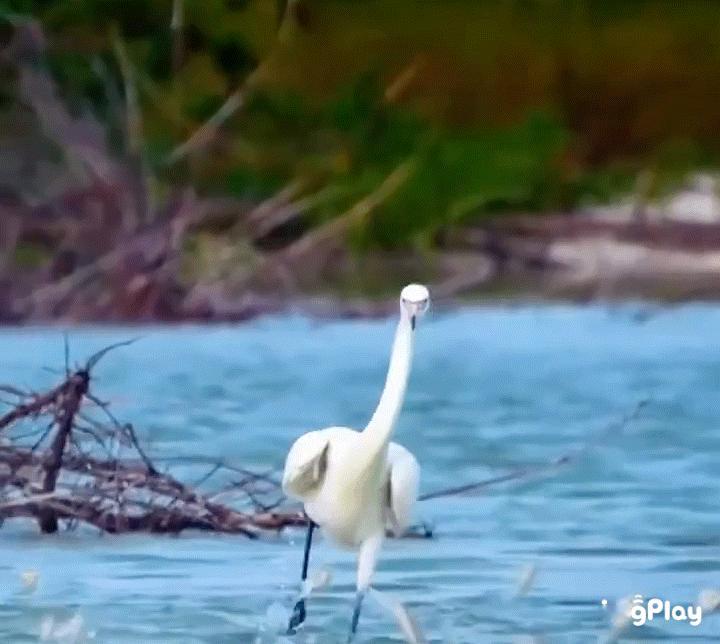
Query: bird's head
point(414, 302)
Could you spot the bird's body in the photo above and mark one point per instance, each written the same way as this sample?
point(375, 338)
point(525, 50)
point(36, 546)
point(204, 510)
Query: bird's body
point(357, 484)
point(358, 497)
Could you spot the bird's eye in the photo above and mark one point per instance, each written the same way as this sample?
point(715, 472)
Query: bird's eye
point(422, 305)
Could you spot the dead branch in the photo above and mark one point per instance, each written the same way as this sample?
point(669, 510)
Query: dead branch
point(537, 471)
point(313, 248)
point(338, 227)
point(70, 473)
point(36, 406)
point(140, 259)
point(76, 387)
point(207, 132)
point(176, 29)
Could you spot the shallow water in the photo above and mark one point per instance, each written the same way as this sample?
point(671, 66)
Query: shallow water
point(492, 388)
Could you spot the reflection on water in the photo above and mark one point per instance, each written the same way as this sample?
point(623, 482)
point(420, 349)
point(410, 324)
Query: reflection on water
point(492, 388)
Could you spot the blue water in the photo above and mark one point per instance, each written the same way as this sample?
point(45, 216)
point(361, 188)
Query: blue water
point(492, 388)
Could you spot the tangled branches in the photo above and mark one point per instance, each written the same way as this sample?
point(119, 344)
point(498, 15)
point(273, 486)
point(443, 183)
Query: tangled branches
point(65, 457)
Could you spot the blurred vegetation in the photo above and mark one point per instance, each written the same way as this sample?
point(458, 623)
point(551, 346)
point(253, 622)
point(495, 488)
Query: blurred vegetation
point(514, 106)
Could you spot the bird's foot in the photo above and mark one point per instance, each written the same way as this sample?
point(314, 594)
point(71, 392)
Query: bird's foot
point(297, 619)
point(356, 615)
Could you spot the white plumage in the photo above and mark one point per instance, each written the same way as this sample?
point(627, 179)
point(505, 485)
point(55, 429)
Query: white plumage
point(343, 493)
point(356, 485)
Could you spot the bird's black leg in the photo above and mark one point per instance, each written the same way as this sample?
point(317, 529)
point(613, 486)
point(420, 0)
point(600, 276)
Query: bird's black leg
point(356, 614)
point(299, 613)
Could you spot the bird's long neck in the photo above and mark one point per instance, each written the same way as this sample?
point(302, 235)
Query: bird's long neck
point(381, 425)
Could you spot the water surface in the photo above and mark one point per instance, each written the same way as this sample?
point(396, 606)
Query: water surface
point(492, 388)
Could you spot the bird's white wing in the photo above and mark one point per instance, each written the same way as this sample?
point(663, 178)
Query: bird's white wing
point(307, 461)
point(403, 484)
point(305, 464)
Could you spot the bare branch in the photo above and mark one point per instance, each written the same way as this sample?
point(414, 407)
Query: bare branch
point(60, 479)
point(96, 357)
point(525, 473)
point(209, 129)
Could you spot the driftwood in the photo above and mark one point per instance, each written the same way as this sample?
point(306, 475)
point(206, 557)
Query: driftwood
point(65, 457)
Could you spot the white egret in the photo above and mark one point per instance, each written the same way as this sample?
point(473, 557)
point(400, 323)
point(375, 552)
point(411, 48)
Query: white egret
point(355, 485)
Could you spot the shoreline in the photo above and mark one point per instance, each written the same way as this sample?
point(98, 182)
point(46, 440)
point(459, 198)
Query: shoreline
point(540, 258)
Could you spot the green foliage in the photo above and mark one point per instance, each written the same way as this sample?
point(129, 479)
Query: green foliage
point(525, 105)
point(472, 174)
point(458, 174)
